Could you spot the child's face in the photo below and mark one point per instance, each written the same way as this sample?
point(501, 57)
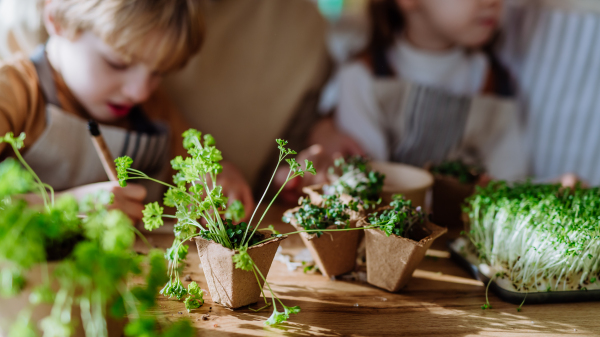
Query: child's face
point(102, 80)
point(468, 23)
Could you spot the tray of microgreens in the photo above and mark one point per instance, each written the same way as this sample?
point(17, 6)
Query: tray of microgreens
point(65, 266)
point(538, 243)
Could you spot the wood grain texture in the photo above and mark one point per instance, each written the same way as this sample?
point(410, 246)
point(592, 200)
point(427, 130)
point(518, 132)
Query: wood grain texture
point(440, 300)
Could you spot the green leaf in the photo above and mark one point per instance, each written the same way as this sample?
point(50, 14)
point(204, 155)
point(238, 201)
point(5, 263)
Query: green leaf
point(192, 303)
point(152, 216)
point(17, 142)
point(277, 317)
point(12, 282)
point(242, 259)
point(310, 167)
point(209, 140)
point(14, 179)
point(291, 310)
point(235, 211)
point(122, 164)
point(191, 139)
point(194, 290)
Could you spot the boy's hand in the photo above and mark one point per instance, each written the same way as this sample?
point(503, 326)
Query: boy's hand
point(235, 187)
point(129, 199)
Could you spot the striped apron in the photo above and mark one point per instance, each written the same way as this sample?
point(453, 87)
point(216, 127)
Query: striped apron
point(426, 125)
point(64, 156)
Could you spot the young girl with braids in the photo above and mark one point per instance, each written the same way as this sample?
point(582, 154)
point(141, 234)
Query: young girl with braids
point(427, 88)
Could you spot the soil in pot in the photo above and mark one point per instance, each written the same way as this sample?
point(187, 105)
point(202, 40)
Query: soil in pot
point(228, 286)
point(391, 260)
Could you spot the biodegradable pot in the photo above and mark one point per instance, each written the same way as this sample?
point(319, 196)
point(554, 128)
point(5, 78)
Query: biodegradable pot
point(448, 196)
point(410, 181)
point(334, 252)
point(11, 307)
point(229, 286)
point(315, 193)
point(392, 260)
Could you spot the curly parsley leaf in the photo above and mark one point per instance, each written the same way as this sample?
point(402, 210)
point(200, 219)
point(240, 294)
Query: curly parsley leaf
point(152, 216)
point(242, 259)
point(16, 142)
point(195, 299)
point(122, 164)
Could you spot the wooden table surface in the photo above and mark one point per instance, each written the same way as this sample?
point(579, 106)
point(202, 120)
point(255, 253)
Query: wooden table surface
point(441, 299)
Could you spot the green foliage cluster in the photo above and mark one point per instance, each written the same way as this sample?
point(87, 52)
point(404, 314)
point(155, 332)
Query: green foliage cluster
point(333, 213)
point(357, 179)
point(465, 174)
point(94, 259)
point(195, 299)
point(399, 219)
point(542, 237)
point(196, 195)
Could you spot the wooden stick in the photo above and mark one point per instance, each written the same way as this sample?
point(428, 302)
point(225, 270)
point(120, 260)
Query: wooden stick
point(103, 151)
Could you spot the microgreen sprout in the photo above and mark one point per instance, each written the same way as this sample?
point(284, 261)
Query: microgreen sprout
point(332, 213)
point(357, 180)
point(399, 219)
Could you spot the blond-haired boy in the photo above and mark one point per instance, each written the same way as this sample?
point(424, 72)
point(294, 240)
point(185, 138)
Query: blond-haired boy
point(104, 60)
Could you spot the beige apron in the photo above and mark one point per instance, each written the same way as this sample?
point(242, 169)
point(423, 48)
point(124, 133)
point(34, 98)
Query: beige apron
point(426, 125)
point(64, 156)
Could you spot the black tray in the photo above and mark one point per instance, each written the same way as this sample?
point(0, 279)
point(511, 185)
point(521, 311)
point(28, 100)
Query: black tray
point(518, 297)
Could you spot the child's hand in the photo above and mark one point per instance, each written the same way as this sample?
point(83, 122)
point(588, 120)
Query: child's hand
point(129, 199)
point(333, 141)
point(570, 180)
point(235, 187)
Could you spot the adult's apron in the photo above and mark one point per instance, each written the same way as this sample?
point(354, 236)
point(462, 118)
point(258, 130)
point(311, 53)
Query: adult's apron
point(425, 125)
point(64, 155)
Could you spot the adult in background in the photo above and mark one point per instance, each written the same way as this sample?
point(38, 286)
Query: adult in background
point(259, 77)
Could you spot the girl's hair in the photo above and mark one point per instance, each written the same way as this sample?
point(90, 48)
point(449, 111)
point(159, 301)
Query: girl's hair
point(386, 21)
point(128, 25)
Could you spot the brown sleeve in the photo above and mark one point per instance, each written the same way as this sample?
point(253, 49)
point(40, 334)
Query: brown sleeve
point(21, 103)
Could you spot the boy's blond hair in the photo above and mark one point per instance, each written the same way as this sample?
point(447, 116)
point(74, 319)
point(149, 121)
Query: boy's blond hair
point(126, 26)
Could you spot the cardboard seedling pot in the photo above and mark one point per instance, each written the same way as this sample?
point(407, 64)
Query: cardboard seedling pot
point(229, 286)
point(392, 260)
point(315, 193)
point(448, 196)
point(410, 181)
point(334, 252)
point(11, 307)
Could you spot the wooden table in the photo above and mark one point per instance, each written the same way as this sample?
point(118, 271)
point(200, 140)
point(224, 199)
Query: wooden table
point(441, 299)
